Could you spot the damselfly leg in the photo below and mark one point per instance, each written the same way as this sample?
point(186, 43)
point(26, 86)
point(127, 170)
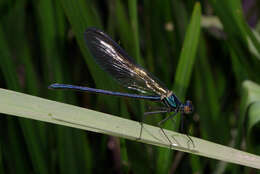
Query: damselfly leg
point(162, 122)
point(159, 111)
point(183, 131)
point(163, 110)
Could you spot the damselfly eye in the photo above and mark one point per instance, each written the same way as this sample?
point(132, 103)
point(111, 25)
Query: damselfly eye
point(188, 108)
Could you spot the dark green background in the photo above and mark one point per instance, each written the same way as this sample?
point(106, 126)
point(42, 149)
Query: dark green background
point(41, 42)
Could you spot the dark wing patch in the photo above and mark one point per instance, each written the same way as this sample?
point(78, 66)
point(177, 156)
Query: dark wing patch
point(114, 60)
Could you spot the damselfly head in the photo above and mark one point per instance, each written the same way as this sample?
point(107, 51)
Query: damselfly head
point(187, 107)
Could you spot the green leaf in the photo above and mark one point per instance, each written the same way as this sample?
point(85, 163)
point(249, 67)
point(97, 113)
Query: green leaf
point(253, 126)
point(251, 110)
point(31, 107)
point(188, 54)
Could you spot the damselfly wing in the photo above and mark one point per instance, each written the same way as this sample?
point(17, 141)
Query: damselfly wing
point(114, 60)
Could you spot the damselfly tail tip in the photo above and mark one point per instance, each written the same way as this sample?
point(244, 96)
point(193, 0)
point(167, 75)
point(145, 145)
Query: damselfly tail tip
point(91, 30)
point(53, 86)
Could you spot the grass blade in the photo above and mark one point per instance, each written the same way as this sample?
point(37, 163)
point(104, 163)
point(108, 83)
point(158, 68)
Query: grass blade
point(31, 107)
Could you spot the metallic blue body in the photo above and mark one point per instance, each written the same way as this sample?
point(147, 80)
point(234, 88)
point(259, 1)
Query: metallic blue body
point(172, 101)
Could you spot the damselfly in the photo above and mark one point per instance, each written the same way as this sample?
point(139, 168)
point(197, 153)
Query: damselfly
point(115, 61)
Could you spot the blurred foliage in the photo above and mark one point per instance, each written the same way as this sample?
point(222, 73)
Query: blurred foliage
point(41, 42)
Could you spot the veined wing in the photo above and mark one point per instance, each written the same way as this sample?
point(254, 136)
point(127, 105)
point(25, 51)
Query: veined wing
point(114, 60)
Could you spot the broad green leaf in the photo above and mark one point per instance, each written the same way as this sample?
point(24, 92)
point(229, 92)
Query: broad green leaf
point(31, 107)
